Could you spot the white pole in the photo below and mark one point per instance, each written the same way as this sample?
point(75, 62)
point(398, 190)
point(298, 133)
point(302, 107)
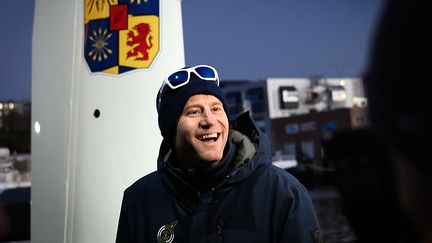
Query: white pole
point(97, 131)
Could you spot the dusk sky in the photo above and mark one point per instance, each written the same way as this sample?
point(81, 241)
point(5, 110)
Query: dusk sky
point(16, 24)
point(243, 39)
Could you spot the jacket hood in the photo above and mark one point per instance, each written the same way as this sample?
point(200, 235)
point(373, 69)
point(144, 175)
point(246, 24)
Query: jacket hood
point(253, 148)
point(245, 134)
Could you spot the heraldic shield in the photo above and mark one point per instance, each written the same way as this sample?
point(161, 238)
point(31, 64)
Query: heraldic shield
point(120, 35)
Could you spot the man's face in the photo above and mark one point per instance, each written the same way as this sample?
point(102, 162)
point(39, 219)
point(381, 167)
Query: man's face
point(202, 132)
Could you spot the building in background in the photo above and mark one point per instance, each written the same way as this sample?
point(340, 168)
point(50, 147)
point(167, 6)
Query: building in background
point(298, 113)
point(15, 125)
point(15, 169)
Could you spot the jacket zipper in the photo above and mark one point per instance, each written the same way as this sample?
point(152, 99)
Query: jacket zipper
point(219, 226)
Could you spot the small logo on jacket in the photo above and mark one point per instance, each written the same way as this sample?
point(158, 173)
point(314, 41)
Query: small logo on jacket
point(166, 233)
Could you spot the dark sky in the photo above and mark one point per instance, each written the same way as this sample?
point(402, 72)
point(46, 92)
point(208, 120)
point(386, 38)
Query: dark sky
point(255, 39)
point(16, 24)
point(244, 39)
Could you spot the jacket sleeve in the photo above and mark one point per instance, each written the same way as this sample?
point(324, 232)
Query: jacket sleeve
point(300, 222)
point(124, 227)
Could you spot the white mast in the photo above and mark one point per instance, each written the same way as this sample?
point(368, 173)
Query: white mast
point(94, 133)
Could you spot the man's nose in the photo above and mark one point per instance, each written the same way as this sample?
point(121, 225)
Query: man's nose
point(208, 118)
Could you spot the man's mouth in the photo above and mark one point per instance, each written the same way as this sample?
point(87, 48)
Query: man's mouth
point(209, 137)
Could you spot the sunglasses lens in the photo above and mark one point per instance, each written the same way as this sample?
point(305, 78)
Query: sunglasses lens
point(178, 78)
point(205, 72)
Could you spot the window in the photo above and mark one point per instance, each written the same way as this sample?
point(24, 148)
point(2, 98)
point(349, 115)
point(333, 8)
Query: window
point(234, 102)
point(338, 93)
point(288, 97)
point(256, 98)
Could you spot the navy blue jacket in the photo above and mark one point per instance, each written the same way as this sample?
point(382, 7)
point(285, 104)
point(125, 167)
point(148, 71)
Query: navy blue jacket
point(254, 202)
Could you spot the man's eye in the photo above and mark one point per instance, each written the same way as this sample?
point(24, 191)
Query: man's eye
point(217, 108)
point(193, 112)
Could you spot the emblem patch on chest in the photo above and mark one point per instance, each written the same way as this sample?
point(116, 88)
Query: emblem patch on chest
point(166, 233)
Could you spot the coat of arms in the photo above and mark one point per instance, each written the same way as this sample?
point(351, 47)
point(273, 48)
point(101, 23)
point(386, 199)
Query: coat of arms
point(120, 35)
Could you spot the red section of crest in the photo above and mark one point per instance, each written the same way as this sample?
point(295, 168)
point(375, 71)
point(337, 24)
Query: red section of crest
point(119, 17)
point(141, 41)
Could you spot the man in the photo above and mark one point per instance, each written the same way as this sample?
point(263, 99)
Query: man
point(215, 181)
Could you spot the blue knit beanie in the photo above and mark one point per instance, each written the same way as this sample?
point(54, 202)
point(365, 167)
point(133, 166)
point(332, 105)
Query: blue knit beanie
point(170, 103)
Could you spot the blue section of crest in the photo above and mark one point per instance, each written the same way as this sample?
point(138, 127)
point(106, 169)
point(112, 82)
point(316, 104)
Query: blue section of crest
point(101, 45)
point(151, 7)
point(123, 69)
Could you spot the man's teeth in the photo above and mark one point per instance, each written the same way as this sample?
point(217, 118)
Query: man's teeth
point(209, 136)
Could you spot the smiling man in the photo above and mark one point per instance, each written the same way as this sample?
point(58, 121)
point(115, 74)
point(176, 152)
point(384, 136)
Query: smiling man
point(202, 132)
point(215, 181)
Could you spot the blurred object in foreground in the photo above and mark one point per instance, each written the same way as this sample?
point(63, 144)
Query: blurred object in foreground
point(363, 175)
